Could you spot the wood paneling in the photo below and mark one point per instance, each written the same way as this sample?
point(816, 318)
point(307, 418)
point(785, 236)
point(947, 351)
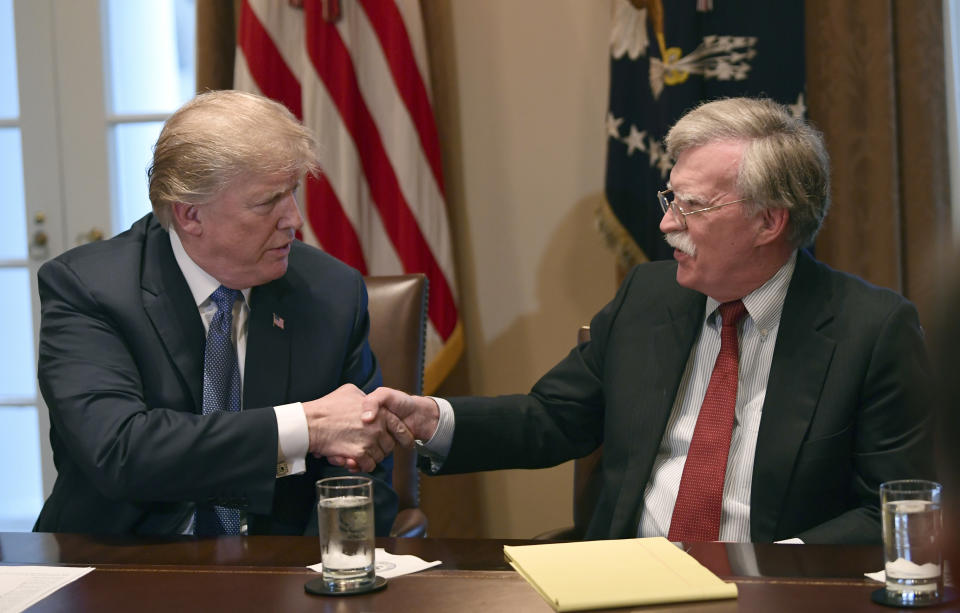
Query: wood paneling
point(216, 43)
point(875, 87)
point(923, 155)
point(852, 100)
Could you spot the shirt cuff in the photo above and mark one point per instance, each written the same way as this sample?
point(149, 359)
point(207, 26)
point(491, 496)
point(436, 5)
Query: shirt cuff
point(293, 439)
point(438, 447)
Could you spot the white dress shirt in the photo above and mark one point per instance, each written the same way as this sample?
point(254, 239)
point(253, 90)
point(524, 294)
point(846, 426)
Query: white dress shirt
point(294, 438)
point(757, 339)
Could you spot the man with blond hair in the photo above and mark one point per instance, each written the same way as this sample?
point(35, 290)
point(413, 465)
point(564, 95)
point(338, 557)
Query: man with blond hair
point(744, 391)
point(201, 366)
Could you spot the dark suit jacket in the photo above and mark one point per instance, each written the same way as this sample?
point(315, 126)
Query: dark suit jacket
point(846, 405)
point(121, 371)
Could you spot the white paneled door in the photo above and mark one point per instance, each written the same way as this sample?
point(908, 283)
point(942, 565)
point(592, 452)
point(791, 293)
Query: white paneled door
point(85, 86)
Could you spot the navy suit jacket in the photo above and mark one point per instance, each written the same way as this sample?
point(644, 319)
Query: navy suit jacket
point(846, 405)
point(121, 371)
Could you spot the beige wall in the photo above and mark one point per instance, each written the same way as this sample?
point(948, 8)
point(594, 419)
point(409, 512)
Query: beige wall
point(520, 89)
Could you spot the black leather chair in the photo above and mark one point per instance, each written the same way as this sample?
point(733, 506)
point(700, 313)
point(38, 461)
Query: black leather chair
point(398, 319)
point(587, 481)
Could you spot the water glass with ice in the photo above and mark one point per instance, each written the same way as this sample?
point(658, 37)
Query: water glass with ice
point(345, 519)
point(911, 540)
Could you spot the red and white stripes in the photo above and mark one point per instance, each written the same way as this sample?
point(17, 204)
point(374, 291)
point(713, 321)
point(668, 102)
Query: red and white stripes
point(359, 81)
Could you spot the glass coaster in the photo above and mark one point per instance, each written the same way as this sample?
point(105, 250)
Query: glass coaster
point(881, 597)
point(319, 587)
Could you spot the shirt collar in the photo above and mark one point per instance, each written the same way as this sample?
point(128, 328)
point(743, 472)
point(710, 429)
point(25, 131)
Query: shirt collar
point(764, 304)
point(200, 282)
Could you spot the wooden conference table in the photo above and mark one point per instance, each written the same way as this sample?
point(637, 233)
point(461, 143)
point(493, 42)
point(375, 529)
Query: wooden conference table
point(267, 573)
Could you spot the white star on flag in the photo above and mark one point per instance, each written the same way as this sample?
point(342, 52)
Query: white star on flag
point(613, 125)
point(634, 141)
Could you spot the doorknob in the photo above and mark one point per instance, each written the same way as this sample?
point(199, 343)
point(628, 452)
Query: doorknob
point(39, 244)
point(92, 235)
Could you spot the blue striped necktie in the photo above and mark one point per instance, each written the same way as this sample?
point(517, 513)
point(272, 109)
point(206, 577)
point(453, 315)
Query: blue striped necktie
point(221, 392)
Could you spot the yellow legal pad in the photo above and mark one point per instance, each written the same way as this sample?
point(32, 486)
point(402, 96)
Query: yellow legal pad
point(609, 574)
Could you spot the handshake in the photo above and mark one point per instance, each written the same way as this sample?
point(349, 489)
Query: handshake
point(358, 430)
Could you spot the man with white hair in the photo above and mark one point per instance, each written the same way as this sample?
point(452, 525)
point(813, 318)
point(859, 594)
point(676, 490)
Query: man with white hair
point(200, 366)
point(743, 392)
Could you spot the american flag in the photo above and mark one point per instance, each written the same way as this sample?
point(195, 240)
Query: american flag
point(356, 73)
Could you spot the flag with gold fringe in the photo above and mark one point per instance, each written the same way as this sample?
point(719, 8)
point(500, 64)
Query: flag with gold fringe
point(667, 57)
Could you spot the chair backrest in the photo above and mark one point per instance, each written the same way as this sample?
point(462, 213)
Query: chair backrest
point(398, 324)
point(587, 474)
point(398, 318)
point(587, 482)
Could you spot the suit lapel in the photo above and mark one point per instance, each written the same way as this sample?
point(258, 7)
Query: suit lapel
point(267, 369)
point(673, 335)
point(801, 360)
point(169, 305)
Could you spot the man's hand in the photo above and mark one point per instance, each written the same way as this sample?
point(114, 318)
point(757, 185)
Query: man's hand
point(420, 414)
point(337, 431)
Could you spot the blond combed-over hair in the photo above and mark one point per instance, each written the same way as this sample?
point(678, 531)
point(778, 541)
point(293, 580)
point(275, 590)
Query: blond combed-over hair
point(219, 136)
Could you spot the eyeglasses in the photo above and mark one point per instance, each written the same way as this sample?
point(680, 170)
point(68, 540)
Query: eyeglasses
point(679, 214)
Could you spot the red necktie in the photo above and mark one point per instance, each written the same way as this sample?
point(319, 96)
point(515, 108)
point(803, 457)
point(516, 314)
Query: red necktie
point(696, 516)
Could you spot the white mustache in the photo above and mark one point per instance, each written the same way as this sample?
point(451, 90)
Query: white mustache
point(682, 242)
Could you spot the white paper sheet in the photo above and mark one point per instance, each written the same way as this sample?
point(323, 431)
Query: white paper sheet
point(24, 586)
point(389, 565)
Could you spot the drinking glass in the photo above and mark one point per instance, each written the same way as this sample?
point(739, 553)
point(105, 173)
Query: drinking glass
point(345, 519)
point(911, 540)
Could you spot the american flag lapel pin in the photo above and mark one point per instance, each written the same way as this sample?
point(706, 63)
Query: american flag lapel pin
point(277, 321)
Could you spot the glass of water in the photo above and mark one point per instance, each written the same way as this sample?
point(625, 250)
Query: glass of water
point(345, 518)
point(911, 540)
